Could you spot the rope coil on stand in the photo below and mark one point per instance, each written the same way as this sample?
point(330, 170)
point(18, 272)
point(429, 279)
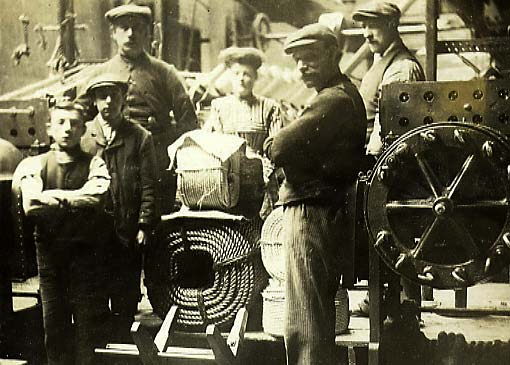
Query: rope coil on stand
point(211, 271)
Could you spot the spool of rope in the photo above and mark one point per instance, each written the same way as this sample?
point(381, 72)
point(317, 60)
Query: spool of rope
point(271, 245)
point(209, 268)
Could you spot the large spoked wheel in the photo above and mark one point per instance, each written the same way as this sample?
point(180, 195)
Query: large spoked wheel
point(437, 205)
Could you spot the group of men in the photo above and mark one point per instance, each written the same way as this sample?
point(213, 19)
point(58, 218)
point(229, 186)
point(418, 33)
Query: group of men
point(98, 194)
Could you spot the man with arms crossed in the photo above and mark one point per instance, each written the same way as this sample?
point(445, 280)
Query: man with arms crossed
point(320, 153)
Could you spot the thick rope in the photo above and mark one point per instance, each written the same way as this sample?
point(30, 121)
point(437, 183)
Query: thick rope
point(237, 270)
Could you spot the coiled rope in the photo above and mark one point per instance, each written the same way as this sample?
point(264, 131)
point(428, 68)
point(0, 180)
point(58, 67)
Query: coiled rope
point(236, 272)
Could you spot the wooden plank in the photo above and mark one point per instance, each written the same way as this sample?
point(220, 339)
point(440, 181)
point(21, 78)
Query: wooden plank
point(162, 339)
point(146, 346)
point(222, 352)
point(236, 336)
point(189, 353)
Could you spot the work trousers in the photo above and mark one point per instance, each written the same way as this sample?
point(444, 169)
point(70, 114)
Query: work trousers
point(314, 239)
point(72, 279)
point(124, 289)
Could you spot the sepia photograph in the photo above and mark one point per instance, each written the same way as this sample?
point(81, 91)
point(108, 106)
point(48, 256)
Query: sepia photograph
point(245, 182)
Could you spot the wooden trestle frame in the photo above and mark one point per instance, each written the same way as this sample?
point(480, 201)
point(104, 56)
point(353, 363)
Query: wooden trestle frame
point(157, 350)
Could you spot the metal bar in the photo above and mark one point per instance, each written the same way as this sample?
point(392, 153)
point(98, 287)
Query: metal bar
point(375, 308)
point(466, 311)
point(489, 44)
point(431, 40)
point(55, 28)
point(15, 111)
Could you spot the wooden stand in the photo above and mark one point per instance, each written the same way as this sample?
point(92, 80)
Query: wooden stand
point(158, 351)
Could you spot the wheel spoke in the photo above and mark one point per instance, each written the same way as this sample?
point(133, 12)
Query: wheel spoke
point(503, 203)
point(431, 178)
point(458, 178)
point(409, 204)
point(464, 237)
point(425, 238)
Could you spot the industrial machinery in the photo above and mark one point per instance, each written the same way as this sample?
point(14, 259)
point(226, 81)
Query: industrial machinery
point(436, 204)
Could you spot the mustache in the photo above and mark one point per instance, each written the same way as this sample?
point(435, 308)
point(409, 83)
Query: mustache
point(305, 74)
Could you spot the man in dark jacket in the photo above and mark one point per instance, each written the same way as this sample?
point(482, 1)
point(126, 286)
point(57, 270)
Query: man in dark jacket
point(128, 151)
point(155, 91)
point(320, 153)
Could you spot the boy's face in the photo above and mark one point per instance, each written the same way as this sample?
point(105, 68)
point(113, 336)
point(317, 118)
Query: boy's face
point(109, 101)
point(66, 127)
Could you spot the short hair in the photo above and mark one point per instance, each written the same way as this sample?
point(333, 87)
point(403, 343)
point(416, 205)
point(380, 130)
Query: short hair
point(69, 105)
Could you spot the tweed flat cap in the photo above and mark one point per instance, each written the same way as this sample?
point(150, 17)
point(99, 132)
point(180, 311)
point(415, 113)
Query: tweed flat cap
point(381, 10)
point(107, 79)
point(308, 35)
point(129, 10)
point(244, 55)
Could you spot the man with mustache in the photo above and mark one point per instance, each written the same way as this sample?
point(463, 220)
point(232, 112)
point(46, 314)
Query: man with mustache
point(320, 153)
point(154, 92)
point(393, 62)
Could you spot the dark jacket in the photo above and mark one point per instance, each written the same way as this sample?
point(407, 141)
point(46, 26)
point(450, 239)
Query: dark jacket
point(321, 151)
point(155, 90)
point(131, 162)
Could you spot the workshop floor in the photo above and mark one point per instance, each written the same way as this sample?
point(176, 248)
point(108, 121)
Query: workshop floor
point(480, 328)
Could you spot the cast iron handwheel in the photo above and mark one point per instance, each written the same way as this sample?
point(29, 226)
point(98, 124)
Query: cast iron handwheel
point(437, 204)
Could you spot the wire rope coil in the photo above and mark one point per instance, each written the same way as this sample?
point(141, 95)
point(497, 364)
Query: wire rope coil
point(209, 268)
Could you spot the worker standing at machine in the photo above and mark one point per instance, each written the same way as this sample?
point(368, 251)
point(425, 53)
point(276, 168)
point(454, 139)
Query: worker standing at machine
point(155, 91)
point(247, 115)
point(128, 151)
point(320, 153)
point(62, 190)
point(393, 62)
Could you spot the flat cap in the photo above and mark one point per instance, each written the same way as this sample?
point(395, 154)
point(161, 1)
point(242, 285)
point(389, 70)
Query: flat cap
point(107, 79)
point(243, 55)
point(308, 35)
point(381, 11)
point(129, 10)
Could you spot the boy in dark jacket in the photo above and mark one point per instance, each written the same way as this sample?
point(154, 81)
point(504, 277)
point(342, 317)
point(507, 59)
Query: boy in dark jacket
point(128, 151)
point(62, 190)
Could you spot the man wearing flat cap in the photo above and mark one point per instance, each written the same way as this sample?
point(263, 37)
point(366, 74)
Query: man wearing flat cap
point(131, 212)
point(393, 62)
point(320, 153)
point(154, 93)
